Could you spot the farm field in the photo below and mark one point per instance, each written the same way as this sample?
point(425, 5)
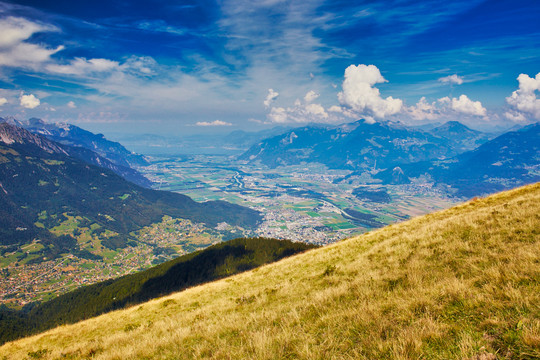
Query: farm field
point(306, 202)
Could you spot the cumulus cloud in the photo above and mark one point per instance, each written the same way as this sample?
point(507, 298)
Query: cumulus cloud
point(515, 116)
point(316, 110)
point(278, 115)
point(444, 107)
point(341, 110)
point(3, 101)
point(15, 51)
point(213, 123)
point(302, 112)
point(310, 96)
point(452, 79)
point(71, 105)
point(523, 101)
point(360, 95)
point(29, 101)
point(465, 105)
point(270, 97)
point(424, 110)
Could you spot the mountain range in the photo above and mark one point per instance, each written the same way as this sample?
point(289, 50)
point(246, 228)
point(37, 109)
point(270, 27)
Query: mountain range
point(92, 148)
point(233, 143)
point(461, 161)
point(511, 159)
point(364, 146)
point(42, 186)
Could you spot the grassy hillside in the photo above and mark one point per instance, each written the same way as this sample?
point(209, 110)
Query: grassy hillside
point(463, 283)
point(215, 262)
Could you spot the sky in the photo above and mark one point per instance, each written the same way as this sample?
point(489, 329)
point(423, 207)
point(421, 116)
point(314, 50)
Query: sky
point(188, 67)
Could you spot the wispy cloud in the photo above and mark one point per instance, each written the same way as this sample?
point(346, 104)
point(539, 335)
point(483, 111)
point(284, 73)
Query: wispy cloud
point(159, 26)
point(16, 50)
point(213, 123)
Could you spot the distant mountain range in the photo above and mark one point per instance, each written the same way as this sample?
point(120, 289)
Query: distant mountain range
point(510, 160)
point(89, 147)
point(233, 143)
point(42, 185)
point(450, 155)
point(364, 146)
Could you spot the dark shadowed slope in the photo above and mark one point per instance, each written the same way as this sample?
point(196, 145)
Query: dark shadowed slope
point(215, 262)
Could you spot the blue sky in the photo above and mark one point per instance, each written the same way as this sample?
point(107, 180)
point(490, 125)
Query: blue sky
point(179, 67)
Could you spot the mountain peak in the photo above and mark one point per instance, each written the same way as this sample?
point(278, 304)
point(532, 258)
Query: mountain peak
point(35, 122)
point(10, 134)
point(11, 120)
point(454, 127)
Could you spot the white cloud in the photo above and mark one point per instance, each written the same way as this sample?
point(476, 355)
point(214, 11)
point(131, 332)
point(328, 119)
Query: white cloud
point(140, 65)
point(82, 66)
point(424, 110)
point(159, 26)
point(316, 110)
point(340, 110)
point(71, 105)
point(360, 95)
point(445, 100)
point(452, 79)
point(515, 116)
point(29, 101)
point(467, 106)
point(15, 52)
point(444, 107)
point(278, 115)
point(213, 123)
point(310, 96)
point(335, 108)
point(14, 30)
point(3, 101)
point(270, 97)
point(523, 101)
point(304, 112)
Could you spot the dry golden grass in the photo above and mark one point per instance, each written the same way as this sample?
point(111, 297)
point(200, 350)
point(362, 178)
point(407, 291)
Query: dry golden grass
point(457, 284)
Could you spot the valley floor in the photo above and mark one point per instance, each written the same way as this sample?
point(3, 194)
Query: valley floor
point(307, 202)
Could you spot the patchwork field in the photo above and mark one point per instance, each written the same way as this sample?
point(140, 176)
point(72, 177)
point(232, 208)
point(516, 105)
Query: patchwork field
point(303, 202)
